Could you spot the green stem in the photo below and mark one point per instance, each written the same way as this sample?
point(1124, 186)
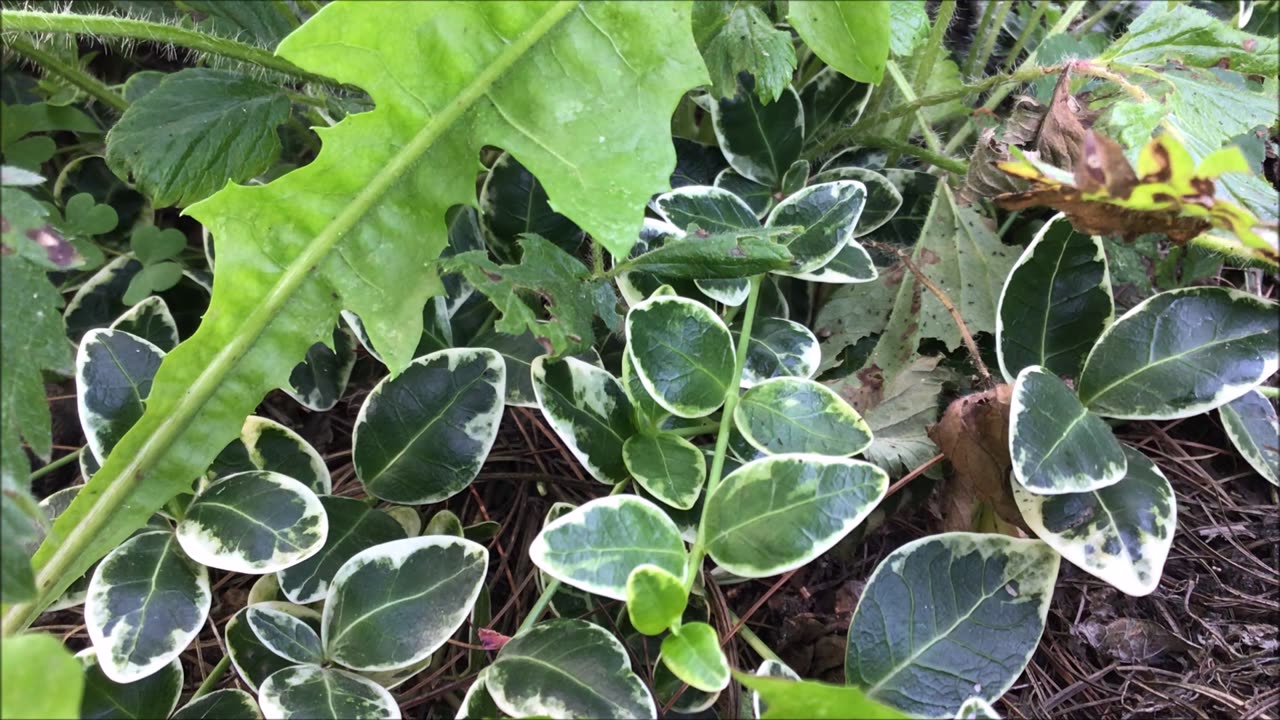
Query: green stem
point(950, 164)
point(699, 550)
point(1028, 66)
point(1269, 391)
point(221, 669)
point(764, 651)
point(1033, 24)
point(60, 462)
point(54, 573)
point(984, 29)
point(992, 33)
point(932, 48)
point(53, 64)
point(539, 606)
point(1093, 19)
point(904, 87)
point(35, 21)
point(702, 429)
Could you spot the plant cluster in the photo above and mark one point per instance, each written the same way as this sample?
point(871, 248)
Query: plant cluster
point(720, 247)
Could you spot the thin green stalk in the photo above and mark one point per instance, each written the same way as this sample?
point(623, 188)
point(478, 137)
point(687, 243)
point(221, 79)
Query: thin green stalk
point(1033, 24)
point(932, 49)
point(1093, 19)
point(110, 26)
point(983, 27)
point(950, 164)
point(539, 606)
point(702, 429)
point(1073, 10)
point(699, 550)
point(904, 87)
point(53, 64)
point(221, 669)
point(990, 35)
point(54, 569)
point(764, 651)
point(1269, 391)
point(60, 462)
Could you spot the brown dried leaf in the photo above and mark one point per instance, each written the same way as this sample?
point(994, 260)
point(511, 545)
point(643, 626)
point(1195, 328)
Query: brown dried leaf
point(1062, 131)
point(1130, 640)
point(974, 435)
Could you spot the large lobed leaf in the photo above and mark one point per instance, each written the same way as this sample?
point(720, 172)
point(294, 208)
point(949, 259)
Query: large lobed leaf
point(580, 94)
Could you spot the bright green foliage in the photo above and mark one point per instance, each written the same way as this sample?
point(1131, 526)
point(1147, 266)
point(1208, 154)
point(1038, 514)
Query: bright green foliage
point(786, 698)
point(357, 226)
point(738, 36)
point(545, 273)
point(41, 679)
point(655, 599)
point(1192, 37)
point(692, 652)
point(197, 130)
point(20, 529)
point(852, 37)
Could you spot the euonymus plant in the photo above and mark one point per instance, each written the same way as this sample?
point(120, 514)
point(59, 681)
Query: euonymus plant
point(719, 249)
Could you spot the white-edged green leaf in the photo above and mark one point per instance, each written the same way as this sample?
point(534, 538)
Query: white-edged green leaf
point(851, 265)
point(146, 603)
point(692, 653)
point(758, 197)
point(1055, 303)
point(567, 669)
point(151, 321)
point(770, 669)
point(712, 210)
point(154, 696)
point(795, 415)
point(975, 708)
point(254, 522)
point(353, 527)
point(779, 348)
point(39, 678)
point(682, 353)
point(1056, 445)
point(396, 603)
point(1121, 533)
point(513, 202)
point(253, 661)
point(655, 599)
point(1181, 353)
point(829, 213)
point(648, 413)
point(589, 410)
point(780, 512)
point(596, 546)
point(949, 617)
point(477, 704)
point(267, 445)
point(759, 141)
point(518, 353)
point(831, 101)
point(319, 381)
point(422, 436)
point(229, 704)
point(568, 601)
point(114, 371)
point(315, 693)
point(1250, 422)
point(285, 635)
point(671, 468)
point(883, 197)
point(691, 700)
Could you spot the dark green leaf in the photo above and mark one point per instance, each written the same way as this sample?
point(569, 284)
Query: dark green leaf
point(513, 203)
point(285, 635)
point(230, 704)
point(307, 691)
point(588, 408)
point(113, 373)
point(319, 381)
point(738, 36)
point(267, 445)
point(154, 696)
point(1250, 422)
point(353, 527)
point(828, 212)
point(151, 321)
point(253, 662)
point(778, 348)
point(760, 141)
point(831, 101)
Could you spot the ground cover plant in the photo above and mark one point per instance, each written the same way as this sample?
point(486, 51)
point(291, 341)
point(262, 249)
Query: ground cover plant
point(616, 359)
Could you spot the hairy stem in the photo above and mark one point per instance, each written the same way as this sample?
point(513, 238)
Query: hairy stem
point(1093, 19)
point(699, 550)
point(932, 48)
point(51, 63)
point(990, 34)
point(1033, 24)
point(950, 164)
point(109, 26)
point(904, 87)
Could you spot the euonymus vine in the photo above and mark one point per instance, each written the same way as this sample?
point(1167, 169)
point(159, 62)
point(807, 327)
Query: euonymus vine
point(718, 253)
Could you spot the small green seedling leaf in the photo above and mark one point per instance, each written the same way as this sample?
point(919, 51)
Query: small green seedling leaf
point(152, 279)
point(760, 141)
point(590, 412)
point(670, 467)
point(655, 599)
point(85, 217)
point(422, 435)
point(1056, 445)
point(567, 669)
point(692, 653)
point(924, 642)
point(147, 601)
point(396, 603)
point(829, 214)
point(150, 320)
point(267, 445)
point(598, 545)
point(779, 348)
point(1250, 422)
point(151, 244)
point(41, 679)
point(285, 635)
point(787, 697)
point(253, 522)
point(154, 696)
point(780, 512)
point(253, 661)
point(682, 353)
point(114, 371)
point(444, 523)
point(1055, 303)
point(794, 415)
point(307, 691)
point(229, 704)
point(1121, 533)
point(1181, 353)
